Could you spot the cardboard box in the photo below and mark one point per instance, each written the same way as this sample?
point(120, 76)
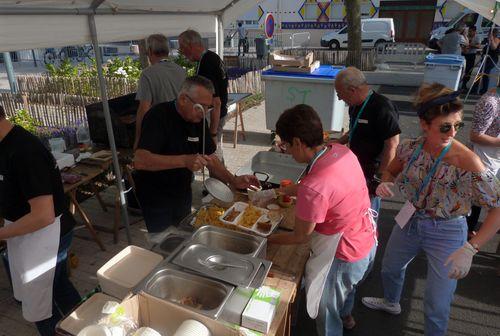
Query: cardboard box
point(165, 317)
point(259, 313)
point(125, 270)
point(87, 313)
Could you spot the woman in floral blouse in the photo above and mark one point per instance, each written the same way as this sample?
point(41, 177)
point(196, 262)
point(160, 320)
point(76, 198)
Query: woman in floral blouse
point(440, 179)
point(485, 137)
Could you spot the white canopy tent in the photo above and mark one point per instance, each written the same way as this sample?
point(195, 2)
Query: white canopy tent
point(486, 8)
point(52, 23)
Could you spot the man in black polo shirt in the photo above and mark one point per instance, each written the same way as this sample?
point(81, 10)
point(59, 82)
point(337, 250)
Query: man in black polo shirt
point(373, 126)
point(171, 149)
point(212, 67)
point(31, 205)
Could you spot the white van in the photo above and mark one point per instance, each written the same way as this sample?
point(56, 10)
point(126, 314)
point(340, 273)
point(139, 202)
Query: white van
point(373, 32)
point(467, 18)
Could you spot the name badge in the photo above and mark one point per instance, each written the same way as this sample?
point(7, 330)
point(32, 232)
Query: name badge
point(193, 139)
point(404, 215)
point(362, 121)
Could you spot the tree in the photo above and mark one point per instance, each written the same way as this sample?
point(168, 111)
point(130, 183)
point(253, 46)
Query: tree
point(353, 10)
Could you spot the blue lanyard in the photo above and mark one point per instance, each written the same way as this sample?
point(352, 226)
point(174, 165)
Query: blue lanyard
point(431, 172)
point(355, 124)
point(315, 158)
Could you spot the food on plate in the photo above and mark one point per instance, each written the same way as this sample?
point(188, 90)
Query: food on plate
point(264, 225)
point(231, 215)
point(250, 216)
point(209, 215)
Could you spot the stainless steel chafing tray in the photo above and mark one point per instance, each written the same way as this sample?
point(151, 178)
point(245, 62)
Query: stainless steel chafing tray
point(277, 166)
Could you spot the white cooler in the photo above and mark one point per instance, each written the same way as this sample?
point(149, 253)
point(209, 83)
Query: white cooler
point(445, 69)
point(286, 89)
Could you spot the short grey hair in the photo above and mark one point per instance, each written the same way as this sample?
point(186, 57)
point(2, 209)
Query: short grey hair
point(351, 77)
point(157, 44)
point(191, 37)
point(196, 81)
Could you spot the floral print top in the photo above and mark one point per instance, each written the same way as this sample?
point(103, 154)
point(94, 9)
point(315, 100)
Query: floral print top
point(451, 191)
point(486, 118)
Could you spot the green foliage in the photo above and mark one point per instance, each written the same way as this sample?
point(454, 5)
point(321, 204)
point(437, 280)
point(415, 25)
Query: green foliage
point(65, 69)
point(189, 66)
point(127, 68)
point(25, 120)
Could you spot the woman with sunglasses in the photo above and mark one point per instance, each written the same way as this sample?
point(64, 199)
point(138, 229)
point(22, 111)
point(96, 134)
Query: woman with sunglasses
point(440, 179)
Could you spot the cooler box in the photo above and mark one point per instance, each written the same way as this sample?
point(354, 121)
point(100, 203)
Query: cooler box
point(286, 89)
point(445, 69)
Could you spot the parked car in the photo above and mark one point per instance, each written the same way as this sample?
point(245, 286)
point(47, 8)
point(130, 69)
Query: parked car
point(373, 32)
point(467, 18)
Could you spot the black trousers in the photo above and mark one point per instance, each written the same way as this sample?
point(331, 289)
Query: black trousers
point(469, 65)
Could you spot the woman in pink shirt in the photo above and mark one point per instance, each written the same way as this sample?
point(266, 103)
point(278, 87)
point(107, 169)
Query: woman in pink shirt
point(333, 213)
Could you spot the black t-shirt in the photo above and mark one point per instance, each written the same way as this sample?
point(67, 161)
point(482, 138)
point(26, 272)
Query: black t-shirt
point(213, 68)
point(377, 123)
point(165, 132)
point(28, 170)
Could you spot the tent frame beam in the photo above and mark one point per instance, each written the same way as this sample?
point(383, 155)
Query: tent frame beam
point(109, 127)
point(97, 11)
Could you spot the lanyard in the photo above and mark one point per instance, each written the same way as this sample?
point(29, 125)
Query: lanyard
point(199, 62)
point(315, 158)
point(355, 124)
point(431, 172)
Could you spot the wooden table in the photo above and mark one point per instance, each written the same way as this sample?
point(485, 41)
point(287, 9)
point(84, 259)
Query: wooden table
point(235, 99)
point(88, 173)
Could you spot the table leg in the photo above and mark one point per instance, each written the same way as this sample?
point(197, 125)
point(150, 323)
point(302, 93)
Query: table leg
point(86, 220)
point(98, 196)
point(238, 110)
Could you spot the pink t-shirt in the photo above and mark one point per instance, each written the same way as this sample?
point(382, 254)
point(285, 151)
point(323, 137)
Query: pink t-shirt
point(335, 197)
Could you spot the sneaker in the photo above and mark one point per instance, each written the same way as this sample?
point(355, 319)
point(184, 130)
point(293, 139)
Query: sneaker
point(381, 304)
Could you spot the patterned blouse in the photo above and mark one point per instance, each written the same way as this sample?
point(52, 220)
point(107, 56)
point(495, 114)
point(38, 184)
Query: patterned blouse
point(451, 191)
point(486, 118)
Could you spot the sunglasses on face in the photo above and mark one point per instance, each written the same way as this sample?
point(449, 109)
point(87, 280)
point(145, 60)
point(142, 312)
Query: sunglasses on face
point(445, 128)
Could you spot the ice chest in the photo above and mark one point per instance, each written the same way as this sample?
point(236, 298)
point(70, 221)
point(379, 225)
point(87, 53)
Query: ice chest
point(126, 269)
point(445, 69)
point(317, 89)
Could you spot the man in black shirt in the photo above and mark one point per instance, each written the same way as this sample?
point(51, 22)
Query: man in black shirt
point(31, 205)
point(171, 149)
point(212, 67)
point(373, 126)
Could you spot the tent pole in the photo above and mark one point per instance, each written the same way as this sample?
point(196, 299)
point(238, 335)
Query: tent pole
point(10, 71)
point(109, 127)
point(219, 36)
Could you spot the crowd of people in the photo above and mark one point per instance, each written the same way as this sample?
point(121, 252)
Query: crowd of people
point(179, 131)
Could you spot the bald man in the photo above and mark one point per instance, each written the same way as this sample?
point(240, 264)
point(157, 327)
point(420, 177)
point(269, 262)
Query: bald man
point(373, 126)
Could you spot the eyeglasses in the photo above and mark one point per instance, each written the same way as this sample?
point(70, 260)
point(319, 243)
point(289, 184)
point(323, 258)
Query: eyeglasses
point(445, 128)
point(284, 146)
point(206, 108)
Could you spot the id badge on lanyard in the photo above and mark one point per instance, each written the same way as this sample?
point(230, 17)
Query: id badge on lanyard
point(408, 209)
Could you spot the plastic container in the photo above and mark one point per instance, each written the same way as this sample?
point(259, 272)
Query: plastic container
point(57, 145)
point(126, 269)
point(283, 184)
point(445, 69)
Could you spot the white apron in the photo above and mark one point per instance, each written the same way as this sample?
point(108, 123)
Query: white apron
point(323, 250)
point(32, 261)
point(490, 156)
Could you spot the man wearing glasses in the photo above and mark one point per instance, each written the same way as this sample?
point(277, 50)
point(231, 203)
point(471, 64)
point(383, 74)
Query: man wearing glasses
point(170, 149)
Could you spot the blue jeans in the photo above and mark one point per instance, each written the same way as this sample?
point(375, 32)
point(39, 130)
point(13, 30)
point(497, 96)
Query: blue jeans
point(438, 239)
point(337, 300)
point(375, 202)
point(65, 297)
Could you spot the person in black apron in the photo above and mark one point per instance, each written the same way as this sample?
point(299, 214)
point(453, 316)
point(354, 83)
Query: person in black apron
point(32, 204)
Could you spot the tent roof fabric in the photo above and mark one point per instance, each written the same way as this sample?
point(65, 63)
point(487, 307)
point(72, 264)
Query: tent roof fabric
point(58, 23)
point(485, 8)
